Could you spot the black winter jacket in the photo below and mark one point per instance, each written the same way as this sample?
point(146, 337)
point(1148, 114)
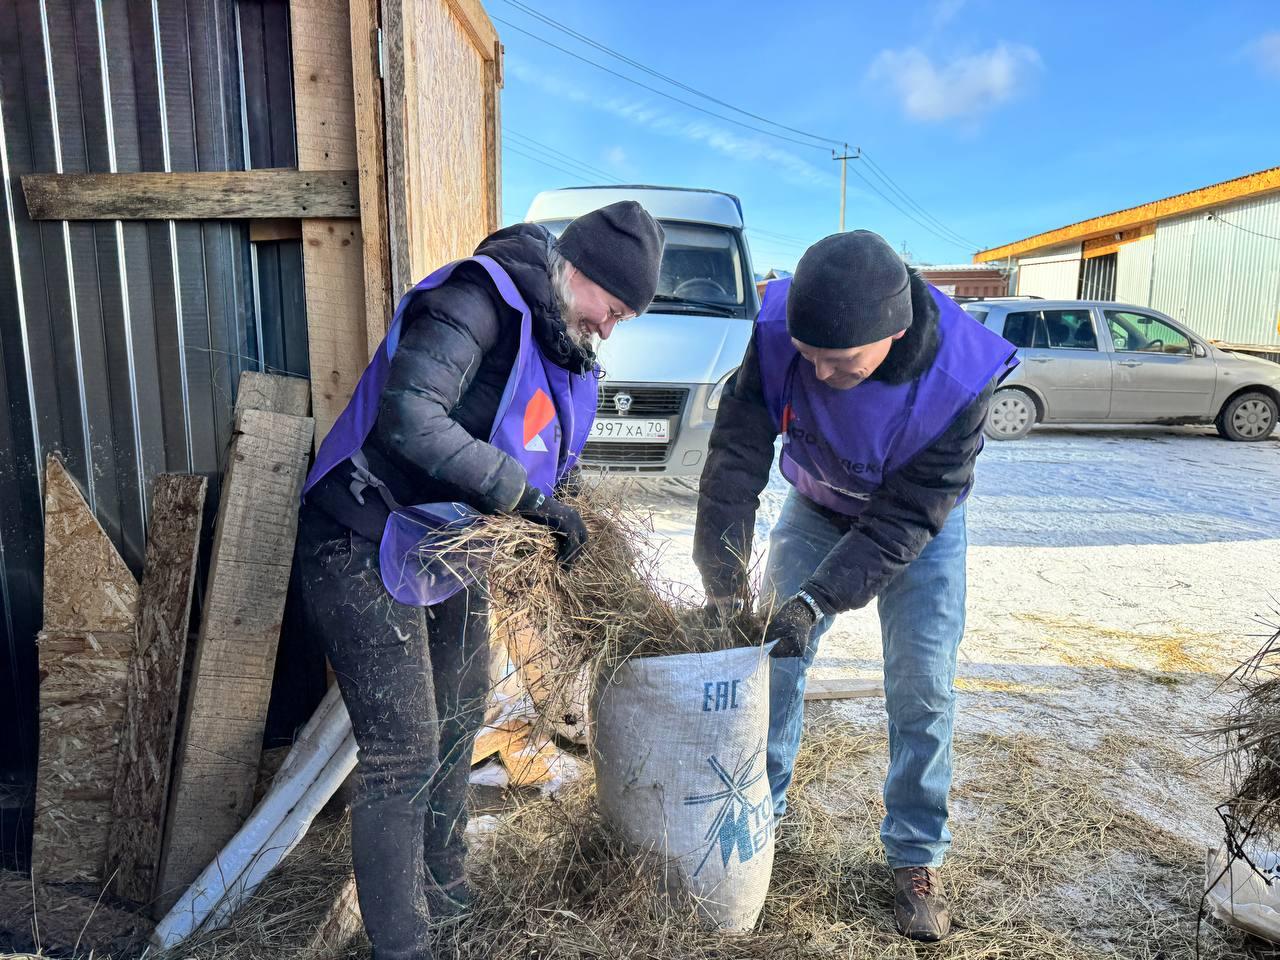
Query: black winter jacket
point(457, 346)
point(906, 512)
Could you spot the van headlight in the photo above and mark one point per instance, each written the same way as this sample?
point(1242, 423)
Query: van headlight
point(713, 398)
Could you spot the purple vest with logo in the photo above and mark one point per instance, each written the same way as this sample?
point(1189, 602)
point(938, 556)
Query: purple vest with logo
point(543, 420)
point(839, 445)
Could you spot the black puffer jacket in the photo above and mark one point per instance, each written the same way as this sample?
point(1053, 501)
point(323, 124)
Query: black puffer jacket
point(906, 512)
point(456, 349)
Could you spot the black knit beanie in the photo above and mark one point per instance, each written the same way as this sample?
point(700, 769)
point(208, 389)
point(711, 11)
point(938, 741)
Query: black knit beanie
point(620, 248)
point(849, 289)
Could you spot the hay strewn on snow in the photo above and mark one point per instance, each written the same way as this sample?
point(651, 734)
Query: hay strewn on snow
point(1044, 868)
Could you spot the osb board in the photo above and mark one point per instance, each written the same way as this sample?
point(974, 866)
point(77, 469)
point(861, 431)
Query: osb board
point(82, 706)
point(221, 739)
point(447, 181)
point(332, 250)
point(65, 920)
point(86, 583)
point(154, 686)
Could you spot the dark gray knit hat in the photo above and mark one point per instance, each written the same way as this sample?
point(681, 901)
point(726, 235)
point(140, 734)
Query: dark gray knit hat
point(620, 248)
point(849, 289)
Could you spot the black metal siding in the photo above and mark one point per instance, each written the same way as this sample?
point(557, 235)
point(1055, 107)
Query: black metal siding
point(122, 342)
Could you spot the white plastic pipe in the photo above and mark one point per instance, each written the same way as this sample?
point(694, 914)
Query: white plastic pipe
point(324, 738)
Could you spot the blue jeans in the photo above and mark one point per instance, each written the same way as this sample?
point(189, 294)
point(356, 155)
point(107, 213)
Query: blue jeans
point(921, 620)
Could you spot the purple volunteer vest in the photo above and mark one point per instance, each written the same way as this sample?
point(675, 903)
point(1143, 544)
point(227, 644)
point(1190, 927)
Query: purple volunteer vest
point(543, 420)
point(839, 445)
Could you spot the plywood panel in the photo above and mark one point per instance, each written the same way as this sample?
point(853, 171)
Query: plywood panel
point(86, 583)
point(447, 113)
point(154, 687)
point(82, 708)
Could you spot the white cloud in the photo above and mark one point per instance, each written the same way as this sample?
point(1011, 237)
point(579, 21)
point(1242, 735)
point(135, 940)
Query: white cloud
point(789, 166)
point(1266, 52)
point(944, 11)
point(616, 157)
point(963, 86)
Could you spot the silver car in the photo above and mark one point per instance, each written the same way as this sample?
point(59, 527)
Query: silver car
point(665, 370)
point(1088, 361)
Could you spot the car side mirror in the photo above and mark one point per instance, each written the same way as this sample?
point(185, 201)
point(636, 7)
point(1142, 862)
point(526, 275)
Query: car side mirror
point(1198, 350)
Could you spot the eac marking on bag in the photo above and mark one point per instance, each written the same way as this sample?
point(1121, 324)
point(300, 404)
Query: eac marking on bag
point(720, 695)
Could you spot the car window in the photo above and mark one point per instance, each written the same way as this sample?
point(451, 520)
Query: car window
point(978, 313)
point(1133, 332)
point(1054, 329)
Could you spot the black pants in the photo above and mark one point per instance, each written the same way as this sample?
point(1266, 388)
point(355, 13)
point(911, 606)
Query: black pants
point(414, 680)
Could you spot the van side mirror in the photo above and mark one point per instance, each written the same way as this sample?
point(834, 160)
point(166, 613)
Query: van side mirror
point(1197, 349)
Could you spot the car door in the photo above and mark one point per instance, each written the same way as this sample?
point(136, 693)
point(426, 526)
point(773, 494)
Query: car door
point(1062, 360)
point(1161, 372)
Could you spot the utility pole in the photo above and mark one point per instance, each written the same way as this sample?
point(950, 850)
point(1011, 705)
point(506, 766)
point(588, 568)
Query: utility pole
point(844, 159)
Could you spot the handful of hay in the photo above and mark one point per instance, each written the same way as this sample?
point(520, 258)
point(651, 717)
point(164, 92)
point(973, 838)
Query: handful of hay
point(612, 605)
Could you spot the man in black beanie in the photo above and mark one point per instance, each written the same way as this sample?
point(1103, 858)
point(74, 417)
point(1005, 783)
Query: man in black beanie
point(878, 385)
point(478, 402)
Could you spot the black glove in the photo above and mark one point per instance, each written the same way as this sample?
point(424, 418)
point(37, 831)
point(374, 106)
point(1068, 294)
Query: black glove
point(565, 522)
point(791, 626)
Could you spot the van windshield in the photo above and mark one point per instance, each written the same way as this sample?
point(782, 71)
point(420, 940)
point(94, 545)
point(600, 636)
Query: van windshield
point(701, 271)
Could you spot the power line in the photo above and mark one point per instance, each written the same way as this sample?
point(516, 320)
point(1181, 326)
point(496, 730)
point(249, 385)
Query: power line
point(529, 142)
point(908, 214)
point(546, 163)
point(661, 93)
point(563, 28)
point(892, 184)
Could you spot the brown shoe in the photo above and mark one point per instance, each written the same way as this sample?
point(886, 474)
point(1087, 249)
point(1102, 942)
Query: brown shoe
point(919, 907)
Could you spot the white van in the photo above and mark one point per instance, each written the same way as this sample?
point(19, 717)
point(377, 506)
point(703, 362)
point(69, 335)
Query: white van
point(665, 370)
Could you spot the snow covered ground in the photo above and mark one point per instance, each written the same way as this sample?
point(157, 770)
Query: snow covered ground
point(1116, 575)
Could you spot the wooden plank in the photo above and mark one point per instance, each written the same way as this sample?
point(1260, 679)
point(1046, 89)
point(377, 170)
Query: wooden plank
point(273, 393)
point(493, 135)
point(371, 163)
point(266, 231)
point(87, 585)
point(332, 250)
point(394, 40)
point(475, 24)
point(342, 923)
point(82, 708)
point(842, 688)
point(221, 740)
point(209, 195)
point(154, 687)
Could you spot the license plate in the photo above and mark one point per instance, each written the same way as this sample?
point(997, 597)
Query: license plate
point(626, 430)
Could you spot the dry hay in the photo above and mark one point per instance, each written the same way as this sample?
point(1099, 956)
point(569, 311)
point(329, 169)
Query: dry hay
point(613, 604)
point(1248, 738)
point(1044, 867)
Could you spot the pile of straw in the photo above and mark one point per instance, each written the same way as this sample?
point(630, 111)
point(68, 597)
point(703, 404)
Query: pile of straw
point(1045, 866)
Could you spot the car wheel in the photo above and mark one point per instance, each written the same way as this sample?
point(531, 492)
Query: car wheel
point(1011, 415)
point(1248, 417)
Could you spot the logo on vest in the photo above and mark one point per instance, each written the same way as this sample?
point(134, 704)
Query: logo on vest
point(793, 429)
point(539, 412)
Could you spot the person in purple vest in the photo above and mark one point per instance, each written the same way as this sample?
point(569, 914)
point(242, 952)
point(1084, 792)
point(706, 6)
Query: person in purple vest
point(478, 402)
point(878, 385)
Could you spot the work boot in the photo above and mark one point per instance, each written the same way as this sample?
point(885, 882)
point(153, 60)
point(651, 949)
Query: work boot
point(919, 907)
point(448, 902)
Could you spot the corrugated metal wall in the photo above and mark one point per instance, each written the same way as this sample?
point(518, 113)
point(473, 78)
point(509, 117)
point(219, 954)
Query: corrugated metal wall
point(1133, 272)
point(1054, 275)
point(122, 342)
point(1220, 274)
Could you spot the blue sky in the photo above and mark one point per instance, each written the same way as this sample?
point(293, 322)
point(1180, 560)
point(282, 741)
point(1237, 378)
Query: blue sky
point(1000, 119)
